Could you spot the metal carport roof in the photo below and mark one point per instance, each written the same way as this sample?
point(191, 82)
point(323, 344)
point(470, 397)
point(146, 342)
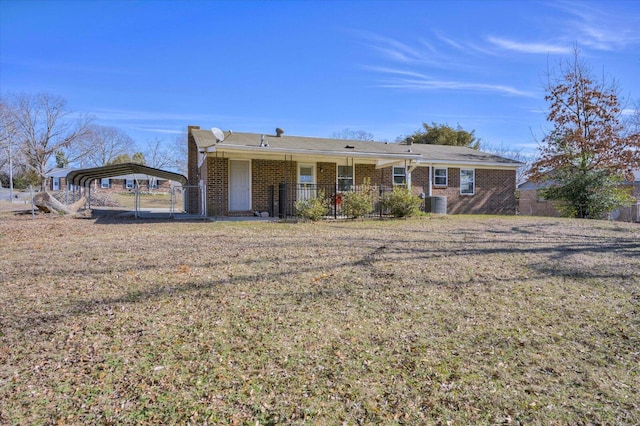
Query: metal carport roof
point(83, 177)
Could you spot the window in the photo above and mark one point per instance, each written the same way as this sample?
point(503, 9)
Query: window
point(345, 178)
point(440, 177)
point(399, 176)
point(153, 183)
point(56, 184)
point(128, 184)
point(467, 181)
point(305, 174)
point(105, 183)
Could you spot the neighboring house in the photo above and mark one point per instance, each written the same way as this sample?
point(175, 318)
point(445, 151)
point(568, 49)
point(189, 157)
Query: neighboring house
point(531, 203)
point(243, 173)
point(56, 181)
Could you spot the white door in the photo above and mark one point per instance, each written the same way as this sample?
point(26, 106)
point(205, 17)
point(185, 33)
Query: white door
point(239, 185)
point(306, 181)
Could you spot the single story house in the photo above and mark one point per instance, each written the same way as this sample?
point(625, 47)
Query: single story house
point(57, 181)
point(531, 203)
point(244, 173)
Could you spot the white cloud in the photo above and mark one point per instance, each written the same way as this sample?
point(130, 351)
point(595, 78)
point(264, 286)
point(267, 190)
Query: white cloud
point(528, 47)
point(395, 71)
point(164, 131)
point(391, 48)
point(602, 29)
point(409, 63)
point(431, 84)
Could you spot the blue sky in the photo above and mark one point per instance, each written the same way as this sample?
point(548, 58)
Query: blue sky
point(313, 68)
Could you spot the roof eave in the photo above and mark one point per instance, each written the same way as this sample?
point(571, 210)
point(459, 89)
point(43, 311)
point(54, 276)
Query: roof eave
point(491, 164)
point(325, 153)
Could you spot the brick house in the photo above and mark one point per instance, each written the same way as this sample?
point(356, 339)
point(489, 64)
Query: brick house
point(531, 203)
point(244, 173)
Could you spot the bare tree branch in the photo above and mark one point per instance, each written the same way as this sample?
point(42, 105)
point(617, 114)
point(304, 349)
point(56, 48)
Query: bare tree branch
point(44, 126)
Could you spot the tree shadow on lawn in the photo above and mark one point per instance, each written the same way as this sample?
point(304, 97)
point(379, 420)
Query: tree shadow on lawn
point(540, 255)
point(553, 265)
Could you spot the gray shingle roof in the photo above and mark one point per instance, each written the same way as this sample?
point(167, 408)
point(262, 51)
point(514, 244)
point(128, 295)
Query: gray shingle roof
point(340, 147)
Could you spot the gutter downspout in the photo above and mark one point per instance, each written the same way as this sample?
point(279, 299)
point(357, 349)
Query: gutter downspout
point(430, 180)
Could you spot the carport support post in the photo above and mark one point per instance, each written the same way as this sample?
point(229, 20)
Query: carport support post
point(171, 203)
point(136, 200)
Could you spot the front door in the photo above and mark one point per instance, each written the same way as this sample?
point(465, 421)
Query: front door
point(306, 181)
point(239, 185)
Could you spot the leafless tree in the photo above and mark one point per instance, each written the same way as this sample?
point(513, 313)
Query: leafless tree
point(156, 155)
point(11, 158)
point(44, 125)
point(102, 145)
point(353, 135)
point(7, 133)
point(179, 153)
point(513, 153)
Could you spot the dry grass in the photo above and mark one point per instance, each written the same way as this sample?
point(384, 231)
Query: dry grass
point(456, 320)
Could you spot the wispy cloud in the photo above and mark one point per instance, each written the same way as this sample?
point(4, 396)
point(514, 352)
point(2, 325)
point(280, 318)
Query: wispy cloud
point(396, 51)
point(126, 115)
point(601, 29)
point(156, 130)
point(392, 49)
point(402, 73)
point(528, 47)
point(394, 71)
point(451, 85)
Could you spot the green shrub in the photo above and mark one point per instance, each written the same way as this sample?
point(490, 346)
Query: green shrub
point(401, 202)
point(313, 208)
point(358, 204)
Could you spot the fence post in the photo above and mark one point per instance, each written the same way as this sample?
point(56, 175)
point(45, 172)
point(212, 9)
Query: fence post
point(335, 201)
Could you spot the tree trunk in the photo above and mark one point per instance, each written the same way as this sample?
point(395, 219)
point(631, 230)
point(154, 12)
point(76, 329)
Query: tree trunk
point(48, 204)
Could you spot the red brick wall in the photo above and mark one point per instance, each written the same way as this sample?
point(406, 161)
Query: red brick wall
point(377, 176)
point(494, 191)
point(216, 170)
point(266, 176)
point(530, 204)
point(420, 180)
point(193, 175)
point(327, 173)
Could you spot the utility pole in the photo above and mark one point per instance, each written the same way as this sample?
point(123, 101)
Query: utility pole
point(10, 172)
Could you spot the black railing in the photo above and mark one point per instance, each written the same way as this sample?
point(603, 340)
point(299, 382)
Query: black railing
point(283, 199)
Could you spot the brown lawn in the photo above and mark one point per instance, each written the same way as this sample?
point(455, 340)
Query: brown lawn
point(450, 320)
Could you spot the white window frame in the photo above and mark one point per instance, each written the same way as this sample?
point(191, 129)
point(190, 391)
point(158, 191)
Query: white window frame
point(468, 180)
point(129, 183)
point(403, 174)
point(306, 189)
point(55, 184)
point(345, 182)
point(435, 176)
point(105, 183)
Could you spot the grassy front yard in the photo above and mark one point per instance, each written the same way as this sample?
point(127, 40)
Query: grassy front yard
point(453, 320)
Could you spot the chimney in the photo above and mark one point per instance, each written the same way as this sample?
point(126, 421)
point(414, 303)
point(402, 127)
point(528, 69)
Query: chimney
point(279, 132)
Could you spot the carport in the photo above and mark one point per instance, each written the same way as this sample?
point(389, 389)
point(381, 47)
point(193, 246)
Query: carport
point(82, 178)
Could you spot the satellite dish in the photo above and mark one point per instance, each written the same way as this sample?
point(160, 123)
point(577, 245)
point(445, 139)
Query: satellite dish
point(219, 135)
